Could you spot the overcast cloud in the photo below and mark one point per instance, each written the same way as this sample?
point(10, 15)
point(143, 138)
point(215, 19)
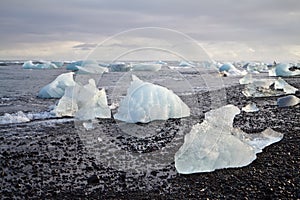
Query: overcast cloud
point(228, 29)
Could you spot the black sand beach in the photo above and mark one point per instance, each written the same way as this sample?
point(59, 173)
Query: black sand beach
point(51, 161)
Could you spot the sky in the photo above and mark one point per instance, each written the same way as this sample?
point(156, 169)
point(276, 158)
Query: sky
point(225, 29)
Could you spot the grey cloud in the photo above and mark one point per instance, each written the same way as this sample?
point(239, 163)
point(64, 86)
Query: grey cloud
point(85, 46)
point(269, 21)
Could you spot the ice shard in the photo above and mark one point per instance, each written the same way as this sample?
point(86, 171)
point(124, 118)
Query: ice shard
point(246, 79)
point(268, 87)
point(147, 102)
point(287, 101)
point(215, 144)
point(251, 107)
point(84, 102)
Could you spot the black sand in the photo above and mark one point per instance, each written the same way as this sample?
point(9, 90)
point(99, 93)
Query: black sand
point(51, 162)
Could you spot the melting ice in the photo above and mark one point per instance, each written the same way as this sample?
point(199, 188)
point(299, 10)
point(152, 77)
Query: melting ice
point(285, 70)
point(251, 107)
point(215, 144)
point(84, 102)
point(45, 65)
point(287, 101)
point(229, 69)
point(56, 88)
point(264, 87)
point(147, 102)
point(21, 117)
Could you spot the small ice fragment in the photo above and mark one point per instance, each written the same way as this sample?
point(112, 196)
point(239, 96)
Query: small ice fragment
point(246, 79)
point(184, 63)
point(56, 88)
point(215, 144)
point(287, 101)
point(99, 139)
point(282, 84)
point(18, 117)
point(250, 108)
point(264, 88)
point(147, 102)
point(88, 125)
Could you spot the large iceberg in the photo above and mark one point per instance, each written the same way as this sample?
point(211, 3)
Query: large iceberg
point(56, 88)
point(45, 65)
point(147, 102)
point(287, 101)
point(215, 144)
point(286, 70)
point(84, 102)
point(267, 87)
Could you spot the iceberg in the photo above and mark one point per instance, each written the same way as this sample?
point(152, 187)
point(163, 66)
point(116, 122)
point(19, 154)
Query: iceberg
point(147, 102)
point(74, 65)
point(229, 69)
point(45, 65)
point(161, 62)
point(286, 70)
point(87, 67)
point(83, 102)
point(146, 67)
point(91, 69)
point(58, 63)
point(256, 67)
point(287, 101)
point(56, 88)
point(250, 108)
point(268, 87)
point(215, 144)
point(185, 64)
point(119, 67)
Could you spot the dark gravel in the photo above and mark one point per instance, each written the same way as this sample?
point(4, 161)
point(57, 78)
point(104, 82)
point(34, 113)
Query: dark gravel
point(50, 161)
